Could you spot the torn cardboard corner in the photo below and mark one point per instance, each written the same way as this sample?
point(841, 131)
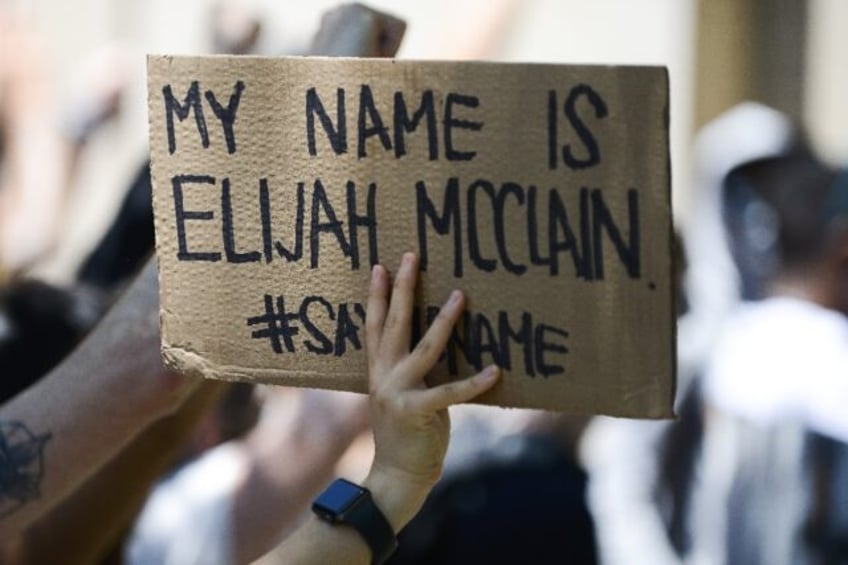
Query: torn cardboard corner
point(542, 191)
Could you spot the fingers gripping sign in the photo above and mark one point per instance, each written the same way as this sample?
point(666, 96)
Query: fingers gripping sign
point(410, 423)
point(410, 420)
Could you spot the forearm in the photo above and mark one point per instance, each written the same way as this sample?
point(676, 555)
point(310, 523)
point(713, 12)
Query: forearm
point(32, 159)
point(91, 520)
point(86, 410)
point(290, 464)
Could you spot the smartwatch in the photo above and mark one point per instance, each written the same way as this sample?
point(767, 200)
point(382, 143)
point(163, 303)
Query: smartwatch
point(347, 503)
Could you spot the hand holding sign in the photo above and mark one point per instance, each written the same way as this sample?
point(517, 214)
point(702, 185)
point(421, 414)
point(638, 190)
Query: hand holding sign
point(410, 420)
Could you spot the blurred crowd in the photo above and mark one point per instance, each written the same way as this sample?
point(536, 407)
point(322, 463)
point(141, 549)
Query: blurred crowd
point(753, 471)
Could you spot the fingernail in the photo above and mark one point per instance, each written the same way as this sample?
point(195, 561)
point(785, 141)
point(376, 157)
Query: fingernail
point(454, 297)
point(490, 373)
point(407, 260)
point(375, 273)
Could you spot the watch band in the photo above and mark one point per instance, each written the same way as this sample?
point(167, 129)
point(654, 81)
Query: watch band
point(372, 525)
point(344, 502)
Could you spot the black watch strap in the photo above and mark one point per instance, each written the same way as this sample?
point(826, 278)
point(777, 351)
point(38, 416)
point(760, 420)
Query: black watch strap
point(344, 502)
point(373, 526)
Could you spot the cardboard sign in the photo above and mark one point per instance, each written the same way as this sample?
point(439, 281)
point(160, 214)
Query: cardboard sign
point(542, 191)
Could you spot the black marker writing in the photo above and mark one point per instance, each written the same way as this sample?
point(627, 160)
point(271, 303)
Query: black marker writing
point(227, 115)
point(370, 123)
point(278, 329)
point(336, 133)
point(570, 157)
point(372, 127)
point(523, 345)
point(193, 104)
point(452, 122)
point(346, 225)
point(182, 215)
point(404, 124)
point(560, 237)
point(314, 315)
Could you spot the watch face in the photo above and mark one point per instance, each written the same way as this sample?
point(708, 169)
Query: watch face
point(337, 498)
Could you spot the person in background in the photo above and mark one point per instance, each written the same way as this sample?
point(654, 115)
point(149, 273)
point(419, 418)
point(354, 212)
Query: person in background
point(775, 457)
point(641, 473)
point(43, 136)
point(32, 157)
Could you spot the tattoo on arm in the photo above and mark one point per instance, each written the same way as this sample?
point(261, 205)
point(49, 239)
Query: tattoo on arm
point(21, 465)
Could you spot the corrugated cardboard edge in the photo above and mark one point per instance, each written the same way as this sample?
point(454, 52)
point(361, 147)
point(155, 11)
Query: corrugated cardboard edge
point(675, 294)
point(191, 363)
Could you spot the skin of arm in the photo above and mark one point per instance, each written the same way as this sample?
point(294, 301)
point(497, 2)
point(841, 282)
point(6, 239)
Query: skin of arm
point(89, 523)
point(60, 431)
point(410, 421)
point(307, 429)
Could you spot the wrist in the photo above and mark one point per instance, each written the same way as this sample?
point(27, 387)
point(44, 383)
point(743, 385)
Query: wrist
point(396, 494)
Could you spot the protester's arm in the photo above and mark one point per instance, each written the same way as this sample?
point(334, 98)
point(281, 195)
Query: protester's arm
point(57, 433)
point(410, 420)
point(31, 151)
point(89, 523)
point(291, 455)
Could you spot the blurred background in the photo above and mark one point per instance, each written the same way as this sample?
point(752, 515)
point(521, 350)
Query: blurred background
point(788, 54)
point(755, 469)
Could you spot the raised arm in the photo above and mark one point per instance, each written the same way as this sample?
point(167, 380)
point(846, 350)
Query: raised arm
point(57, 433)
point(90, 522)
point(410, 421)
point(291, 455)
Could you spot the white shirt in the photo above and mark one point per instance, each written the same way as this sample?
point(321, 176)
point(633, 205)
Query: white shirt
point(187, 519)
point(783, 359)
